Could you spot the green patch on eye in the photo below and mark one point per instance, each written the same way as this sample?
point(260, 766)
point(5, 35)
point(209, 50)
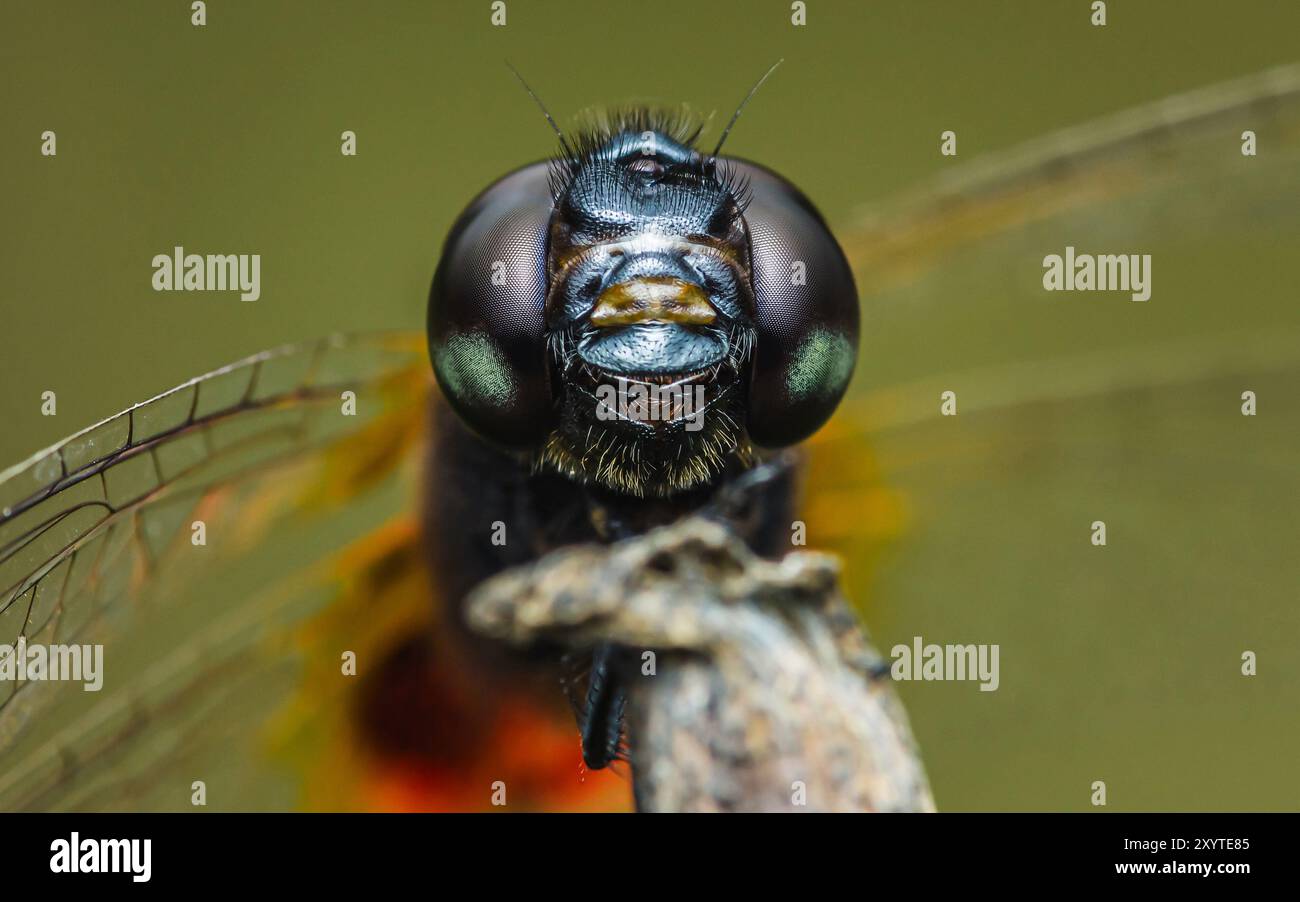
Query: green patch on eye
point(475, 370)
point(822, 364)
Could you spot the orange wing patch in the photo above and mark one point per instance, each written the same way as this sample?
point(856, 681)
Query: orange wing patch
point(416, 729)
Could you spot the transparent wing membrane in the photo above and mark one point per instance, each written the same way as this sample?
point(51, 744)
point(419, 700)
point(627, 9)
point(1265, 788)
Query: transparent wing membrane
point(1072, 408)
point(1151, 152)
point(114, 536)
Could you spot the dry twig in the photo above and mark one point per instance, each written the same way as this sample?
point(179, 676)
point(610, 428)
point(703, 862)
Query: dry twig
point(764, 694)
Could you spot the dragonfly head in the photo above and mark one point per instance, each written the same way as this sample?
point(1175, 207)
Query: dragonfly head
point(639, 314)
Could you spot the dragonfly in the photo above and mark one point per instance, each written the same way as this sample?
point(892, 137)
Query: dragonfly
point(281, 619)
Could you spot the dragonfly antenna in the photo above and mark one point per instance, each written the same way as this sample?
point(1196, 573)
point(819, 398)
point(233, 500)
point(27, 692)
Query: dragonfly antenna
point(545, 112)
point(736, 115)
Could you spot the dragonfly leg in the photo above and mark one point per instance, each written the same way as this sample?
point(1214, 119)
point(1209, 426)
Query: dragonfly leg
point(602, 723)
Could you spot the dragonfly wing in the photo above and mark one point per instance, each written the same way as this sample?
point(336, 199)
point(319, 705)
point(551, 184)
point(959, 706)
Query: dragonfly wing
point(153, 533)
point(294, 658)
point(1120, 662)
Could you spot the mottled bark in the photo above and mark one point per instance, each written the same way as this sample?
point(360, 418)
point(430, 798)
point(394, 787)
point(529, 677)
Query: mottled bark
point(764, 693)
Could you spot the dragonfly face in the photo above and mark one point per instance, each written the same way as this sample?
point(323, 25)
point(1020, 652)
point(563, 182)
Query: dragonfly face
point(650, 300)
point(639, 315)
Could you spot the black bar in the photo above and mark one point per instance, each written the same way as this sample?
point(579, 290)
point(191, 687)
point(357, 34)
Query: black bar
point(544, 853)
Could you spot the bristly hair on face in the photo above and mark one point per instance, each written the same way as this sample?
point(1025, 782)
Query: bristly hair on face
point(596, 128)
point(596, 125)
point(680, 124)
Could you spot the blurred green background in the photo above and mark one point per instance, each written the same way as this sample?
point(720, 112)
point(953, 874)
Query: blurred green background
point(225, 139)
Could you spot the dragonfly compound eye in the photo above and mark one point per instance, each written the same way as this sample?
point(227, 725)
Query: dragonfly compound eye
point(486, 326)
point(805, 310)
